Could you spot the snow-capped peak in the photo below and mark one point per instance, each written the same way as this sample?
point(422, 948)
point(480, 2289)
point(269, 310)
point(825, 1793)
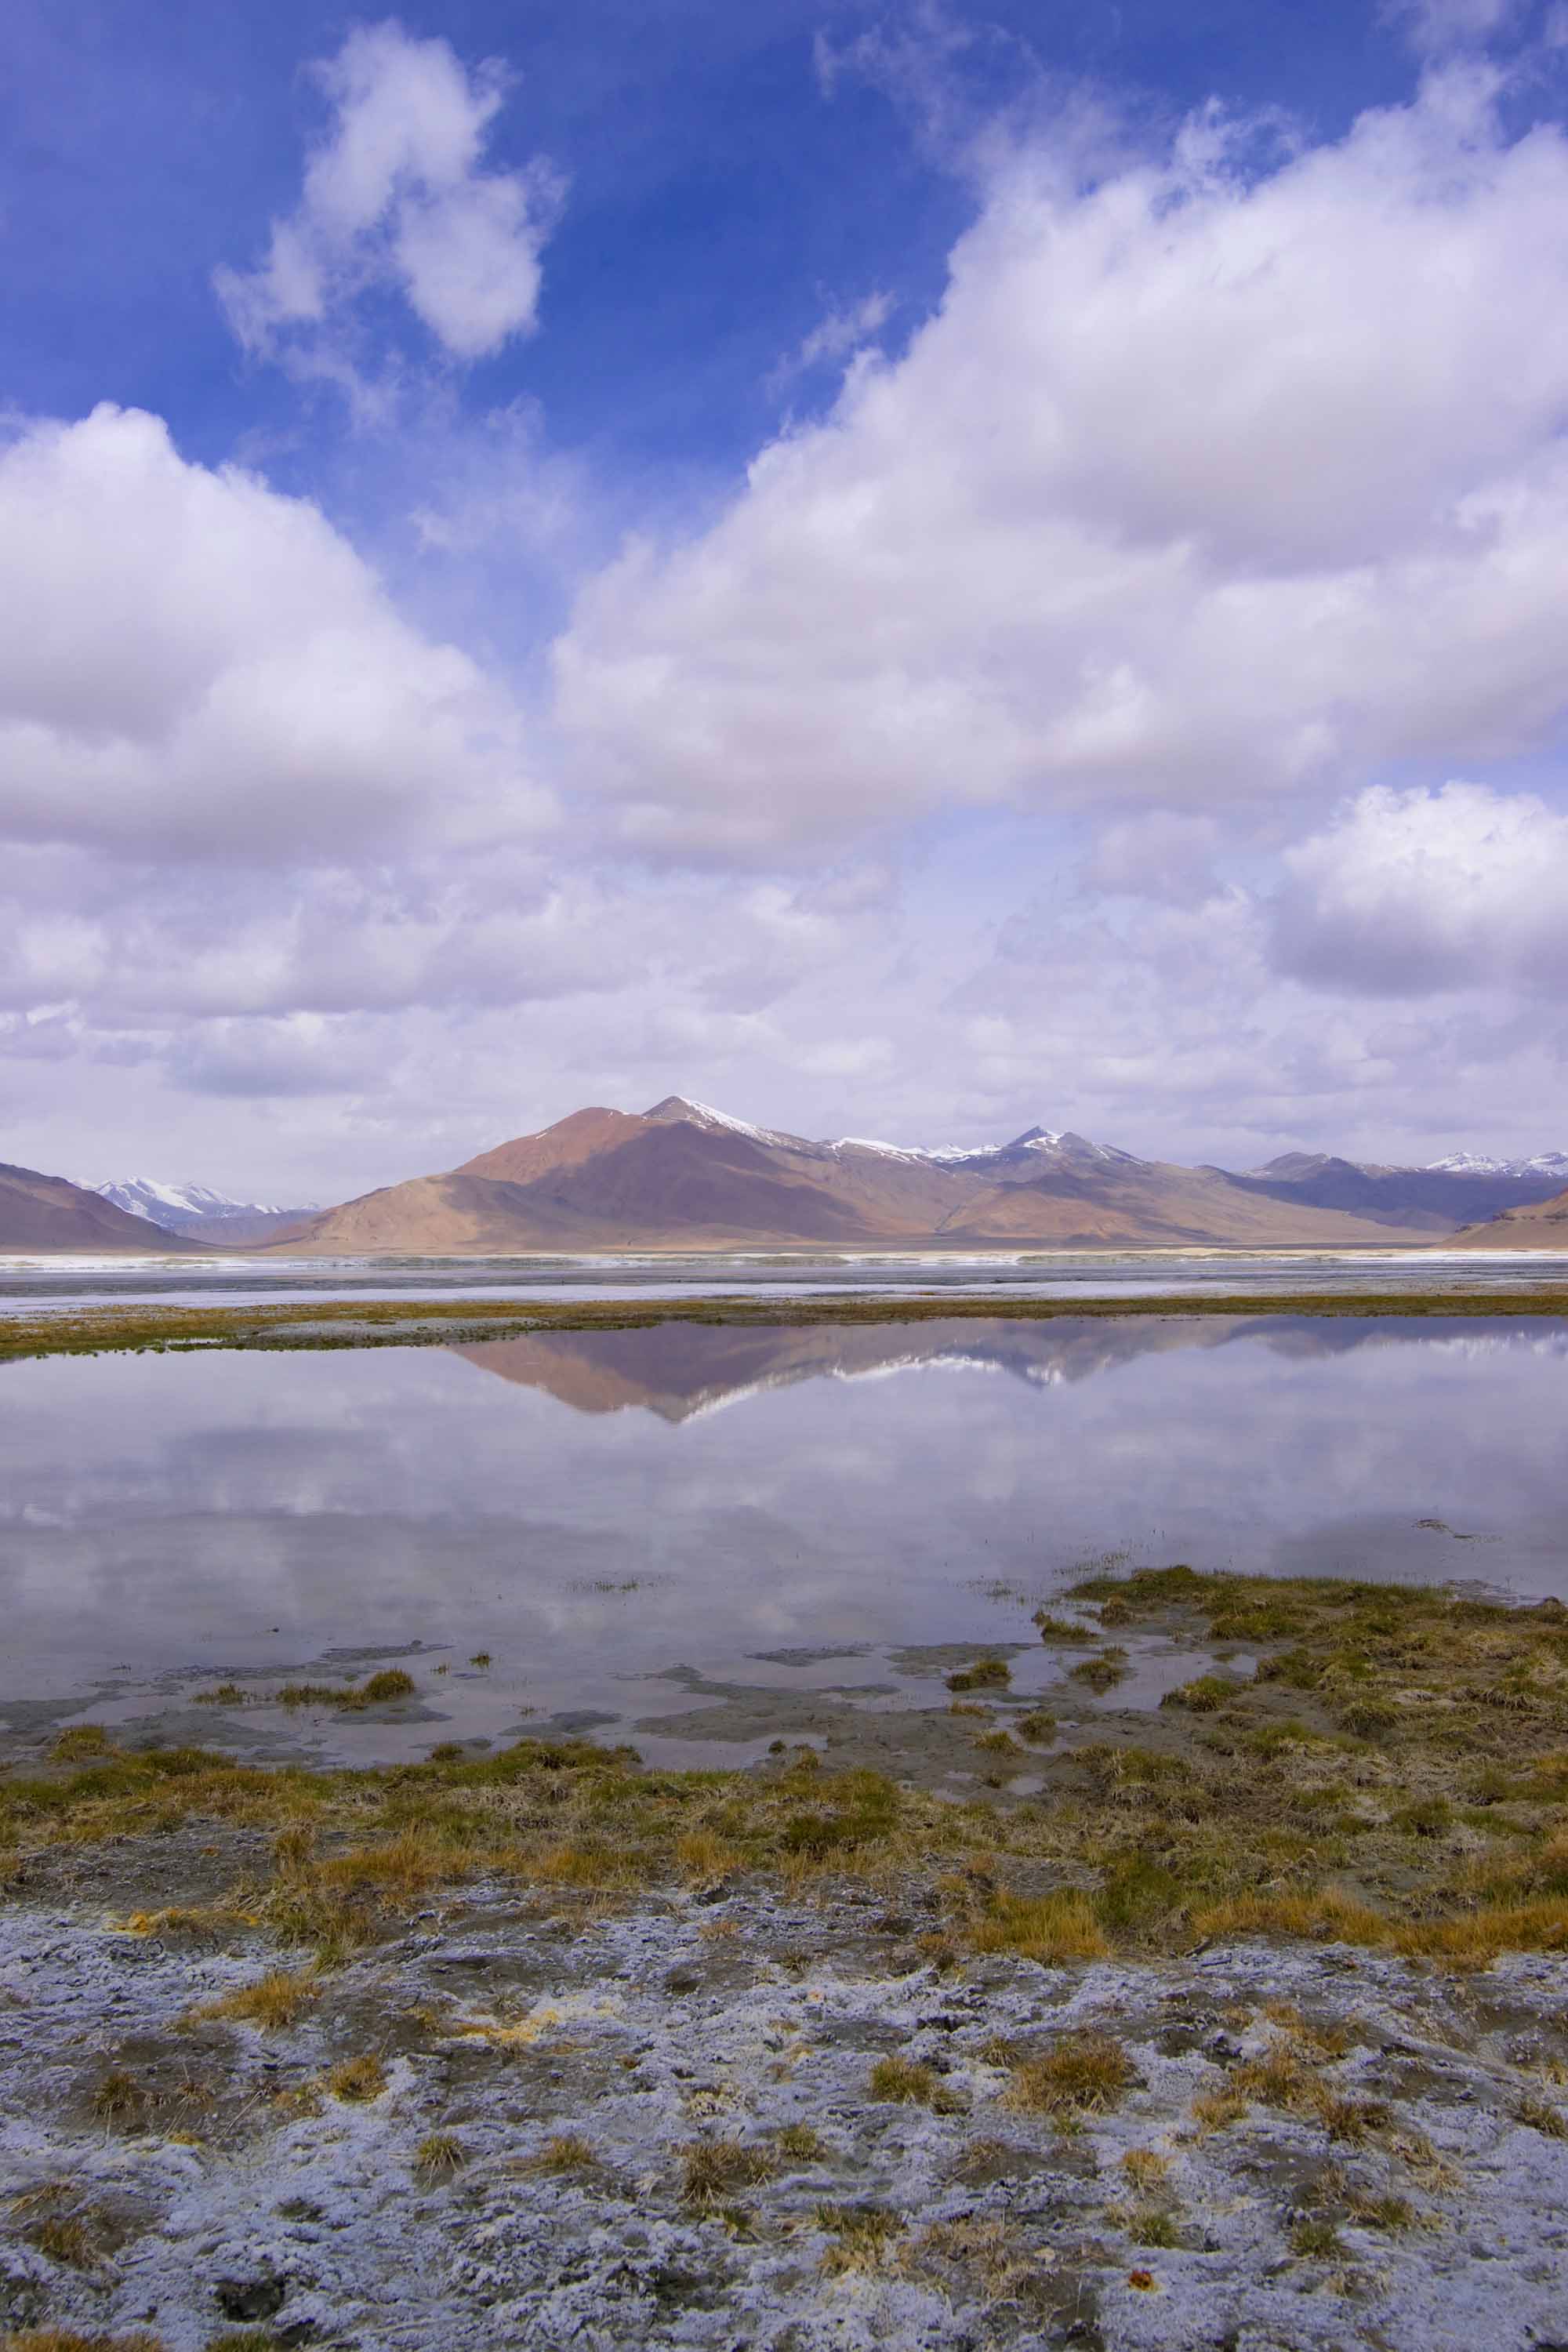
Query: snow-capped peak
point(1476, 1163)
point(883, 1151)
point(698, 1114)
point(144, 1196)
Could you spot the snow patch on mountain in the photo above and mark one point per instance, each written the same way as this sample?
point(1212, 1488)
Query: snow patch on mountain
point(1475, 1163)
point(144, 1196)
point(676, 1107)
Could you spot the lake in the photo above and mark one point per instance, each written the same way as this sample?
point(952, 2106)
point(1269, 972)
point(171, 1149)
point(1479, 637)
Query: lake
point(67, 1286)
point(689, 1536)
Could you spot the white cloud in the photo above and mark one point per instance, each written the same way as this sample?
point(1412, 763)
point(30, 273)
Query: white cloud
point(845, 328)
point(395, 195)
point(1218, 478)
point(1438, 26)
point(194, 664)
point(1208, 482)
point(1406, 893)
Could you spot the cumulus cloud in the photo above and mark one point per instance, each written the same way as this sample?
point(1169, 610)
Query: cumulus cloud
point(1406, 893)
point(194, 663)
point(1219, 477)
point(1211, 480)
point(397, 197)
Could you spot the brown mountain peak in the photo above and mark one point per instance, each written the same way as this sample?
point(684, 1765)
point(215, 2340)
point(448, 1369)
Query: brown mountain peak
point(568, 1144)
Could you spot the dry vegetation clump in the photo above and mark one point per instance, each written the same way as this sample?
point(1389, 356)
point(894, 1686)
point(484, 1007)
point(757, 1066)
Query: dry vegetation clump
point(906, 2081)
point(72, 2339)
point(439, 2152)
point(1103, 1672)
point(1063, 1629)
point(122, 2102)
point(1204, 1696)
point(1146, 2169)
point(377, 1690)
point(1538, 2115)
point(801, 2143)
point(68, 2228)
point(357, 2080)
point(1060, 1926)
point(1215, 2111)
point(1289, 2076)
point(82, 1741)
point(1081, 2074)
point(1039, 1725)
point(990, 2251)
point(274, 2003)
point(565, 2153)
point(985, 1673)
point(865, 2237)
point(1146, 2225)
point(713, 2170)
point(1381, 2209)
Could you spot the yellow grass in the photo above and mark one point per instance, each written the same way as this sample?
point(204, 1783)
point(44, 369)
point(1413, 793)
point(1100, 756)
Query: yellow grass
point(1052, 1927)
point(274, 2001)
point(1082, 2074)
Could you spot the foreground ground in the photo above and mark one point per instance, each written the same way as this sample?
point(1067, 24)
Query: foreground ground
point(1242, 2024)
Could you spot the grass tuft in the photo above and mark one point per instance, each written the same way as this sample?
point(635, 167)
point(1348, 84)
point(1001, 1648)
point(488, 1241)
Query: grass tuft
point(985, 1673)
point(357, 2080)
point(82, 1741)
point(1538, 2115)
point(1082, 2074)
point(1103, 1673)
point(565, 2153)
point(904, 2081)
point(865, 2237)
point(273, 2002)
point(711, 2170)
point(1052, 1928)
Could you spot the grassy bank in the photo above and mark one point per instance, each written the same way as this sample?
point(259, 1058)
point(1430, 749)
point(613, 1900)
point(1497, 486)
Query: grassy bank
point(450, 1322)
point(1395, 1776)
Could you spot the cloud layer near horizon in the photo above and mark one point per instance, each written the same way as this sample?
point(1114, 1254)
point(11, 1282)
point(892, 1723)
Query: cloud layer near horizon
point(1063, 722)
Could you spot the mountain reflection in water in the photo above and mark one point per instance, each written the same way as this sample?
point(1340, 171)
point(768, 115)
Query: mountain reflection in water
point(679, 1371)
point(591, 1518)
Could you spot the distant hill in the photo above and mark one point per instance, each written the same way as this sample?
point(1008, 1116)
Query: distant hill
point(198, 1212)
point(1543, 1226)
point(1457, 1192)
point(47, 1212)
point(682, 1176)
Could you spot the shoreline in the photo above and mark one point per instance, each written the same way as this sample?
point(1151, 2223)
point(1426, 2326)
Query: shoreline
point(445, 1323)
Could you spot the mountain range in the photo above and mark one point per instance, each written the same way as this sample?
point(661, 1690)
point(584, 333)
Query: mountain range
point(196, 1213)
point(683, 1177)
point(47, 1212)
point(1461, 1191)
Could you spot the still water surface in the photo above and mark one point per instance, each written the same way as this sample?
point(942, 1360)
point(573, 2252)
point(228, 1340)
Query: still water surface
point(628, 1520)
point(66, 1285)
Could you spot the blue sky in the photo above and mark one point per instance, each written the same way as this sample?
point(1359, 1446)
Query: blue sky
point(905, 569)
